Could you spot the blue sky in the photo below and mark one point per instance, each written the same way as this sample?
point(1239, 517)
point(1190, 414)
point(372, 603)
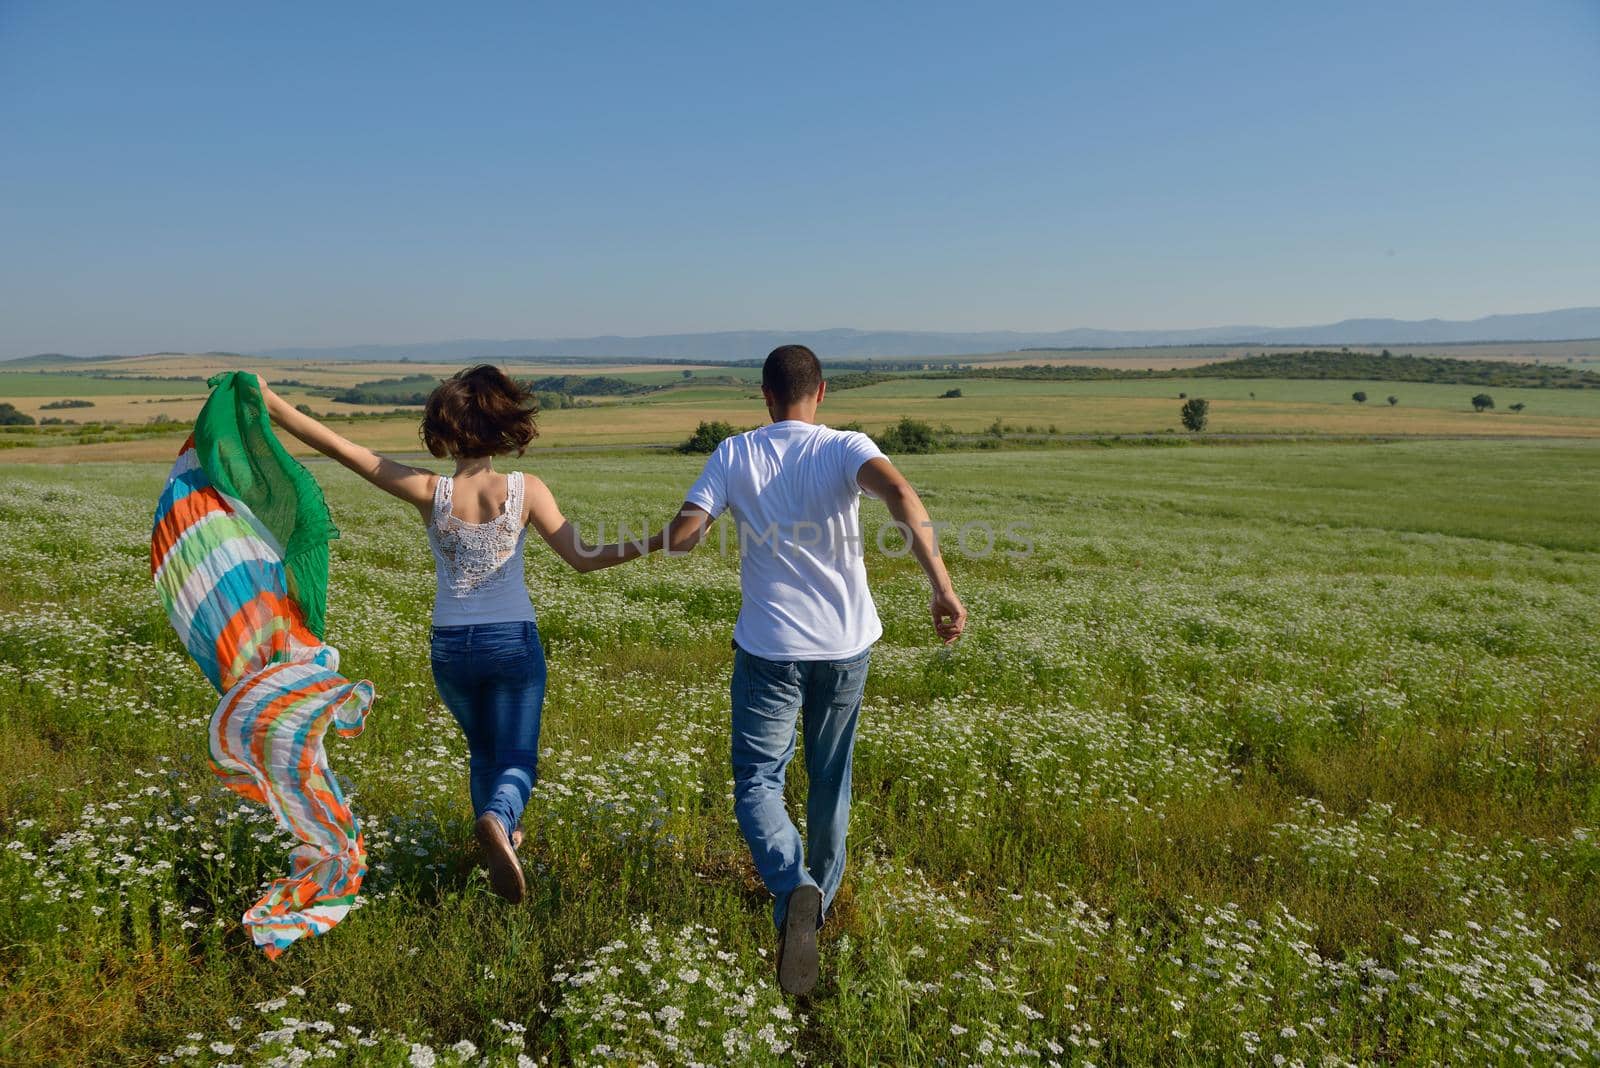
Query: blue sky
point(239, 176)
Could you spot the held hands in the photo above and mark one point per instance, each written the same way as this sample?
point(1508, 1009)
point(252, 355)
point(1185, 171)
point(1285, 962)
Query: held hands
point(949, 615)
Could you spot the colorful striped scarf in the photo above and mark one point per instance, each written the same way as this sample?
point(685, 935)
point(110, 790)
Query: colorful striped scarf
point(239, 556)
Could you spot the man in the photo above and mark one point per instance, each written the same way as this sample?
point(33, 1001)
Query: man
point(805, 630)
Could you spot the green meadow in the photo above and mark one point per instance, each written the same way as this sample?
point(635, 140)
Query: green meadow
point(1267, 754)
point(1584, 403)
point(675, 399)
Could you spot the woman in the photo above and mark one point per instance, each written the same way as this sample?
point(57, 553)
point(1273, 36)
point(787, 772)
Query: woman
point(488, 664)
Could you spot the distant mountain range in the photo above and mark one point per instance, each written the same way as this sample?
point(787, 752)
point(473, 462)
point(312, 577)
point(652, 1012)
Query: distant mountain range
point(1561, 325)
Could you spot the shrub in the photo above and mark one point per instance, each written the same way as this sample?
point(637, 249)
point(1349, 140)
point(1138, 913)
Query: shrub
point(10, 416)
point(60, 404)
point(1393, 400)
point(950, 394)
point(707, 436)
point(1359, 396)
point(908, 436)
point(1517, 407)
point(1482, 402)
point(1195, 413)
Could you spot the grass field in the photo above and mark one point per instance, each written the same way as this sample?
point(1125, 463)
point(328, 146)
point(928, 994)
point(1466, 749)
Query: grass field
point(1335, 393)
point(139, 390)
point(1289, 407)
point(1280, 406)
point(1279, 751)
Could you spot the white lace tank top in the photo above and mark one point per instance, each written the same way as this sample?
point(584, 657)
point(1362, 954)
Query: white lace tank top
point(478, 566)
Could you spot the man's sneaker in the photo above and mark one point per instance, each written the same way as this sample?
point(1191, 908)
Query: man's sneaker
point(505, 873)
point(797, 942)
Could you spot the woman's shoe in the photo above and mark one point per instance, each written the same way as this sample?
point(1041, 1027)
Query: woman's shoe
point(505, 872)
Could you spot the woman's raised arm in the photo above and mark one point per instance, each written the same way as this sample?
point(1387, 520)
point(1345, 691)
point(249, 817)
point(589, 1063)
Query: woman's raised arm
point(411, 484)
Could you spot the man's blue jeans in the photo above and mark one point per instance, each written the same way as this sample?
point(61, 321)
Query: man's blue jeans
point(491, 677)
point(768, 697)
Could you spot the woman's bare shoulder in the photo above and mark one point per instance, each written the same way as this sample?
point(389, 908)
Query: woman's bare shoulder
point(536, 497)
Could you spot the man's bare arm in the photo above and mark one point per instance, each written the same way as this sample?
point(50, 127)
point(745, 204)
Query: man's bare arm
point(879, 478)
point(687, 529)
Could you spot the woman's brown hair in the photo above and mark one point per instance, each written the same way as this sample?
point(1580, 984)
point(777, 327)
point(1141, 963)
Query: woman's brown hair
point(481, 411)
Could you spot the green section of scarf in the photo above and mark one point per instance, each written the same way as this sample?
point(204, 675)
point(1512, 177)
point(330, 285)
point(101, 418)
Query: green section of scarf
point(234, 443)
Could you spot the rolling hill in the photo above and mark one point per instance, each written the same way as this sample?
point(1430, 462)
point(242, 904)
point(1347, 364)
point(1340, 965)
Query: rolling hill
point(1559, 325)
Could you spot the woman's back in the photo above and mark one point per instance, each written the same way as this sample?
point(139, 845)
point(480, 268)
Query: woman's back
point(478, 565)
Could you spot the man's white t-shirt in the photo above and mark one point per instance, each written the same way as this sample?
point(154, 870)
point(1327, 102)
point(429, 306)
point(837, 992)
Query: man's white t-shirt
point(802, 573)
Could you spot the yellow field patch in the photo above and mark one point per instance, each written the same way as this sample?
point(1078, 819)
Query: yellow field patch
point(136, 408)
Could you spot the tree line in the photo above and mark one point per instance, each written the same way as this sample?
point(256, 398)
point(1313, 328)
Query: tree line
point(1320, 364)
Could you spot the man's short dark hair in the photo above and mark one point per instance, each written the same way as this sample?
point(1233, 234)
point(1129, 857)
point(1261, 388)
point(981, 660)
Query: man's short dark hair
point(791, 373)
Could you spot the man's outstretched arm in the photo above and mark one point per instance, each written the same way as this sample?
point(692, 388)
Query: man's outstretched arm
point(879, 478)
point(686, 530)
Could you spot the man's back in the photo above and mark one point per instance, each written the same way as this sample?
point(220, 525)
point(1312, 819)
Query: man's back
point(792, 489)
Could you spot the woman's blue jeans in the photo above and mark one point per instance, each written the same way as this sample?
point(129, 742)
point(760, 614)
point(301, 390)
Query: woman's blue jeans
point(491, 677)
